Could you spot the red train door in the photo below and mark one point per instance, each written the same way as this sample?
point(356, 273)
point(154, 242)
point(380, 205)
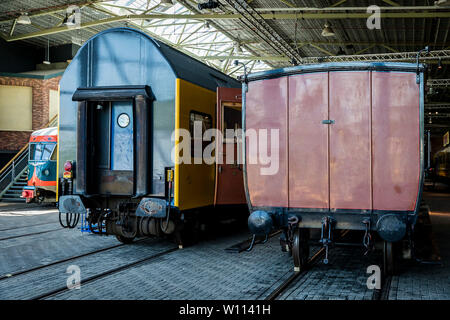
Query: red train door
point(350, 140)
point(229, 174)
point(308, 141)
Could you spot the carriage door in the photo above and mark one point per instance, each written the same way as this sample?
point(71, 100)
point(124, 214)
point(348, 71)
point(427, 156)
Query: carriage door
point(112, 147)
point(229, 174)
point(113, 140)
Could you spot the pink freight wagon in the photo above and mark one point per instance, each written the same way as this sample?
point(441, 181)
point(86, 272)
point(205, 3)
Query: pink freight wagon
point(344, 143)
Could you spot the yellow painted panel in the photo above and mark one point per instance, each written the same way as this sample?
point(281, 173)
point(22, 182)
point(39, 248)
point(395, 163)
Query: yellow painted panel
point(16, 108)
point(53, 103)
point(194, 183)
point(177, 167)
point(57, 150)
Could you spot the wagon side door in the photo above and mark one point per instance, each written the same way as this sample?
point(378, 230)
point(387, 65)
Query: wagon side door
point(308, 141)
point(229, 173)
point(350, 140)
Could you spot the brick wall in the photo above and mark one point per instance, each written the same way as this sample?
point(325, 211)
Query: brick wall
point(15, 140)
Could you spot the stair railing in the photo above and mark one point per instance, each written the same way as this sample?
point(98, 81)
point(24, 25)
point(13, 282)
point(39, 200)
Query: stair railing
point(12, 171)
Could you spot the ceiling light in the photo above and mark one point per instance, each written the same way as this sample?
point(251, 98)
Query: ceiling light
point(24, 19)
point(327, 31)
point(123, 12)
point(211, 4)
point(442, 3)
point(237, 47)
point(440, 64)
point(166, 3)
point(69, 22)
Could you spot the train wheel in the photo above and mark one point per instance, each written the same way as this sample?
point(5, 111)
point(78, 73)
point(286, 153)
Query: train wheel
point(300, 248)
point(388, 258)
point(125, 240)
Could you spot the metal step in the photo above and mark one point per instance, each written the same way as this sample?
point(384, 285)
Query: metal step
point(15, 200)
point(16, 189)
point(12, 195)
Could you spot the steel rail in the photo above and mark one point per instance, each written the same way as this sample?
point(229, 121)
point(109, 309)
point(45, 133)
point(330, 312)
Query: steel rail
point(7, 276)
point(30, 234)
point(30, 226)
point(282, 287)
point(105, 274)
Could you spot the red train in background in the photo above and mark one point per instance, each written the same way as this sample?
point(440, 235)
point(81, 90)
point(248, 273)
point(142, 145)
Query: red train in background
point(42, 166)
point(351, 152)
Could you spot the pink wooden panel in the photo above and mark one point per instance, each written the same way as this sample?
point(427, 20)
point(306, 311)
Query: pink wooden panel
point(350, 153)
point(308, 141)
point(266, 108)
point(396, 141)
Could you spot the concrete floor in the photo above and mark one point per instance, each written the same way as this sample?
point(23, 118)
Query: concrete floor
point(204, 271)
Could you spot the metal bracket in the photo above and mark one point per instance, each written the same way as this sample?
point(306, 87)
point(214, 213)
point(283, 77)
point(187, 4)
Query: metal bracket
point(326, 237)
point(367, 239)
point(328, 122)
point(427, 51)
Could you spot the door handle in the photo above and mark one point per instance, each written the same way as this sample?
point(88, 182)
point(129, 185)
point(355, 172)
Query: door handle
point(328, 122)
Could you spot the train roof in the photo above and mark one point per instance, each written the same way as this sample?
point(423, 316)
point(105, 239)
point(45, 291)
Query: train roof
point(337, 66)
point(53, 131)
point(184, 66)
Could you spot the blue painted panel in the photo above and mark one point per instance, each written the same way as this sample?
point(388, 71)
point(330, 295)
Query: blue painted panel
point(122, 138)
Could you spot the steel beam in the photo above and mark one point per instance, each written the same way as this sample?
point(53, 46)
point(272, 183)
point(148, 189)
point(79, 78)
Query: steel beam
point(233, 16)
point(50, 10)
point(213, 16)
point(438, 83)
point(265, 31)
point(398, 56)
point(434, 106)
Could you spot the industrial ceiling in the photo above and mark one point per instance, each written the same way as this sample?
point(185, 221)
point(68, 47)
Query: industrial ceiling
point(263, 34)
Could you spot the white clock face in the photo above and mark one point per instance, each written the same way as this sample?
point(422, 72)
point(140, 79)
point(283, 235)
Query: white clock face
point(123, 120)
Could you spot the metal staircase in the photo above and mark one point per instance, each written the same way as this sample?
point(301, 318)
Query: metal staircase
point(14, 193)
point(14, 176)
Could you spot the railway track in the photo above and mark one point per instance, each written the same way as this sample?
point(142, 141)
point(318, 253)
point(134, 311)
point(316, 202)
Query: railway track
point(105, 274)
point(30, 234)
point(18, 273)
point(30, 226)
point(296, 275)
point(383, 293)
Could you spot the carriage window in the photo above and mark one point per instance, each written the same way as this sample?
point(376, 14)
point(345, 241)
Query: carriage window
point(54, 154)
point(41, 151)
point(232, 119)
point(206, 121)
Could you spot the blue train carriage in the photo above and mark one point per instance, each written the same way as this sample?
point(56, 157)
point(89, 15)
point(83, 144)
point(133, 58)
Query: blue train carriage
point(122, 98)
point(42, 166)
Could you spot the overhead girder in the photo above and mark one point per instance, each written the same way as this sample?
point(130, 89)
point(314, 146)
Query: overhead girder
point(392, 56)
point(51, 10)
point(265, 31)
point(438, 83)
point(214, 16)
